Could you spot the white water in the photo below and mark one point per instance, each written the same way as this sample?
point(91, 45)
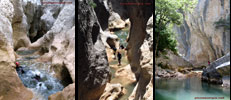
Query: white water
point(223, 65)
point(46, 85)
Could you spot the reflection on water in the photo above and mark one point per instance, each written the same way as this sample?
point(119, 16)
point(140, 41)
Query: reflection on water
point(188, 89)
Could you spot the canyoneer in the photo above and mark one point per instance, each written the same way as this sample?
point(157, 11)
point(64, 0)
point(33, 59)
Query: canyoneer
point(119, 55)
point(37, 76)
point(19, 68)
point(114, 51)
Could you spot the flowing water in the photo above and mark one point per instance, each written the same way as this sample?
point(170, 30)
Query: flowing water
point(189, 89)
point(46, 84)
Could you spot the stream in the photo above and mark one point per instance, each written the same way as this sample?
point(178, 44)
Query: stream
point(46, 85)
point(189, 89)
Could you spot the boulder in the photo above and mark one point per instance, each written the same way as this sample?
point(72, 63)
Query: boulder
point(68, 93)
point(115, 22)
point(126, 74)
point(113, 92)
point(212, 77)
point(172, 61)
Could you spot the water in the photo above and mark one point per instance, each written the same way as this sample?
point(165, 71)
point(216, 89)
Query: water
point(122, 35)
point(188, 89)
point(43, 87)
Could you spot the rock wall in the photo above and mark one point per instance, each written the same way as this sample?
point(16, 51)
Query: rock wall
point(173, 61)
point(9, 81)
point(144, 87)
point(20, 26)
point(40, 17)
point(138, 16)
point(199, 39)
point(93, 67)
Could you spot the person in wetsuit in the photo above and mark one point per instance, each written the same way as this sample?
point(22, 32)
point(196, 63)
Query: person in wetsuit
point(37, 76)
point(19, 68)
point(114, 51)
point(119, 56)
point(121, 46)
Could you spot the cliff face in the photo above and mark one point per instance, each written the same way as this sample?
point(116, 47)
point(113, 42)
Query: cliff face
point(9, 81)
point(138, 16)
point(93, 67)
point(199, 39)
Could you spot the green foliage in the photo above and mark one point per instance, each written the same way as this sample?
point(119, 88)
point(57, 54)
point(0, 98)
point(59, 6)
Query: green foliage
point(167, 41)
point(92, 4)
point(165, 57)
point(225, 23)
point(163, 66)
point(169, 12)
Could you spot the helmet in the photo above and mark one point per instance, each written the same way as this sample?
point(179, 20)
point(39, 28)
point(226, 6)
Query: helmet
point(17, 64)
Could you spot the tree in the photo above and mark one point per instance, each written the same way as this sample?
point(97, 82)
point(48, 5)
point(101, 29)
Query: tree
point(169, 12)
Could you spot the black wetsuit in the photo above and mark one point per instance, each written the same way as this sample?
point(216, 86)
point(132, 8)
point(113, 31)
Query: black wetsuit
point(20, 69)
point(121, 46)
point(119, 56)
point(114, 49)
point(37, 77)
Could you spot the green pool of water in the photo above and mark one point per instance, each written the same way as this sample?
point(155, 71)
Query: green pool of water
point(189, 89)
point(122, 35)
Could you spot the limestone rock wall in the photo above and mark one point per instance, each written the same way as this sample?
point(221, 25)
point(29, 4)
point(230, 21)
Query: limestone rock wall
point(138, 16)
point(199, 40)
point(93, 67)
point(9, 81)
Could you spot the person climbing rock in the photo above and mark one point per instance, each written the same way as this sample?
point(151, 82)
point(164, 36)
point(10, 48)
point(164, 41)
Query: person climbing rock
point(119, 56)
point(19, 68)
